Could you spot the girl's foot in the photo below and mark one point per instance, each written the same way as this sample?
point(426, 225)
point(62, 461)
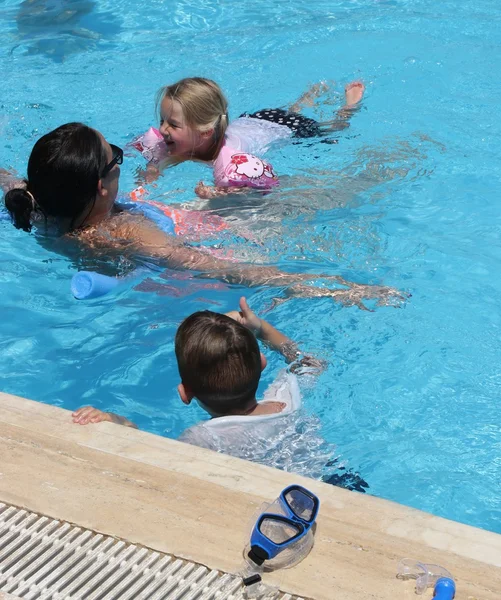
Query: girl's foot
point(354, 92)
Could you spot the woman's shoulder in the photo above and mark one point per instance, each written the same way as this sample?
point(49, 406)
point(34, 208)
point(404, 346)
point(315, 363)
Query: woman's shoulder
point(121, 227)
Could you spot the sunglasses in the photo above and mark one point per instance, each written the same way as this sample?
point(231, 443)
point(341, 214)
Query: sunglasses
point(118, 158)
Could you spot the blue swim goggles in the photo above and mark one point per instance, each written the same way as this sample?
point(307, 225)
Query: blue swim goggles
point(274, 532)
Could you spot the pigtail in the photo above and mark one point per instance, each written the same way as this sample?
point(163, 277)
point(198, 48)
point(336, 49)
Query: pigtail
point(19, 202)
point(219, 132)
point(222, 125)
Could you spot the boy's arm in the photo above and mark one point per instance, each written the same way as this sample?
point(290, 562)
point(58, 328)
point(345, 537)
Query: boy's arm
point(265, 332)
point(89, 414)
point(276, 340)
point(289, 349)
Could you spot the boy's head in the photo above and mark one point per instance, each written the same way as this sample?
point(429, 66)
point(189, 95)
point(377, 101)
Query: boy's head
point(219, 363)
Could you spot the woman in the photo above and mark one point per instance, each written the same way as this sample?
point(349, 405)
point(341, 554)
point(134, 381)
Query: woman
point(72, 185)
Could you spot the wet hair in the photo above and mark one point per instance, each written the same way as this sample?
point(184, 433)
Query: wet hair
point(63, 173)
point(219, 361)
point(203, 104)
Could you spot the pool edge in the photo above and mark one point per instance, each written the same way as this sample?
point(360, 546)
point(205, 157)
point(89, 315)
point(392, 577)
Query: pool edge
point(198, 505)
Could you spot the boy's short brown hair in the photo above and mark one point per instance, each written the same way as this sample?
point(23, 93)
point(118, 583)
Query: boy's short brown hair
point(218, 360)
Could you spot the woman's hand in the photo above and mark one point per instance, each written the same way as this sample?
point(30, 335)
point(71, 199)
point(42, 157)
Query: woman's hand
point(353, 296)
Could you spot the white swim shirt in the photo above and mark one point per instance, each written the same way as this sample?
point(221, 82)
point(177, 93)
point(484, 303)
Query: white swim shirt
point(255, 136)
point(287, 440)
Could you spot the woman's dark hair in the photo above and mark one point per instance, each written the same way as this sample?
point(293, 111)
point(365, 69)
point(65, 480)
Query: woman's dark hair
point(63, 173)
point(219, 360)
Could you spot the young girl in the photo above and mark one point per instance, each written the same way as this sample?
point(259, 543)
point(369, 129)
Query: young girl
point(194, 126)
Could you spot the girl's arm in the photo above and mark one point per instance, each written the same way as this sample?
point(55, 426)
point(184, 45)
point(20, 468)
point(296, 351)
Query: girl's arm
point(147, 175)
point(207, 192)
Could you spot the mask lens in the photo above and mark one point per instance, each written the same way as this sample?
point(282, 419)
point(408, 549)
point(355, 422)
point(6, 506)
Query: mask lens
point(301, 504)
point(278, 531)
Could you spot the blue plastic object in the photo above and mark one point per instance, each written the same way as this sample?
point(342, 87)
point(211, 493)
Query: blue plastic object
point(445, 589)
point(274, 532)
point(86, 285)
point(162, 221)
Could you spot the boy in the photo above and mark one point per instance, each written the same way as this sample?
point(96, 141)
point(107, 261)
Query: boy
point(220, 365)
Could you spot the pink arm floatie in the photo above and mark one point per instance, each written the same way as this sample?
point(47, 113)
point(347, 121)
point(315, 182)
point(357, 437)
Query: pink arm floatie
point(240, 169)
point(151, 145)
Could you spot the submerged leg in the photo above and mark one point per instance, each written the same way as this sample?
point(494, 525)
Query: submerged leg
point(308, 98)
point(354, 93)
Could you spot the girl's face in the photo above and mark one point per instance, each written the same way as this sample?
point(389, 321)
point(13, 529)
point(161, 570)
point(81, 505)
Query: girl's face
point(181, 139)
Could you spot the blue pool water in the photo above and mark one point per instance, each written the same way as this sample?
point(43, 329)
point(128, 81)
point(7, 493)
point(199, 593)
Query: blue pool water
point(409, 197)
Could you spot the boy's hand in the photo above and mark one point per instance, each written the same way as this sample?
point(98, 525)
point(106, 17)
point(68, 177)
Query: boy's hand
point(308, 364)
point(89, 414)
point(246, 317)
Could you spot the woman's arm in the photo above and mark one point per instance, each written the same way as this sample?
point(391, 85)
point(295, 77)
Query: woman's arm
point(148, 240)
point(9, 181)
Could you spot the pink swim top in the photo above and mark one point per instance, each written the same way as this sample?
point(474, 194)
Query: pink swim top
point(237, 164)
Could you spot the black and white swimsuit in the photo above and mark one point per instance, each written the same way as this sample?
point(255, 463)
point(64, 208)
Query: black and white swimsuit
point(301, 126)
point(255, 133)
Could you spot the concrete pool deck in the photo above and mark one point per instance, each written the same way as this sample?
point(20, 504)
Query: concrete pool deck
point(198, 505)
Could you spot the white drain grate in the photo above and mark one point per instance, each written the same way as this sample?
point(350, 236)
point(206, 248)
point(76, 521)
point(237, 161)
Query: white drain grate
point(44, 559)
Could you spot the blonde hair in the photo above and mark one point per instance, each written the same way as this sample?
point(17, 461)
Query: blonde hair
point(203, 104)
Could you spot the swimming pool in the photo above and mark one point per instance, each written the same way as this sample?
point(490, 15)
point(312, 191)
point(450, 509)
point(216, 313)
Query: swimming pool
point(408, 197)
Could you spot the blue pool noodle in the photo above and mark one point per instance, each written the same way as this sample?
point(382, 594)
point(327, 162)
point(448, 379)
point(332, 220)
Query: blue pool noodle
point(86, 285)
